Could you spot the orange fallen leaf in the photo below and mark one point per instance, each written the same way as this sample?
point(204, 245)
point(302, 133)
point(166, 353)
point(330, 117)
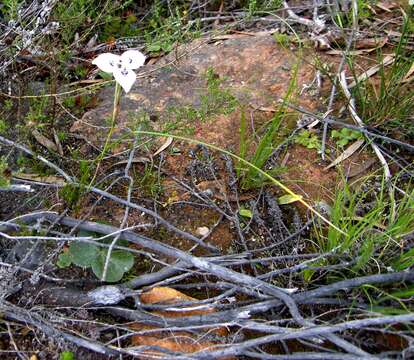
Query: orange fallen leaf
point(177, 341)
point(166, 295)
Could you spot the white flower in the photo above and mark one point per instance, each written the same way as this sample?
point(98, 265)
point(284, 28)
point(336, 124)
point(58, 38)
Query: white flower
point(121, 66)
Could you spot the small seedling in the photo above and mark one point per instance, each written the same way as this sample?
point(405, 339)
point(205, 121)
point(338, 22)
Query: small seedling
point(308, 139)
point(345, 136)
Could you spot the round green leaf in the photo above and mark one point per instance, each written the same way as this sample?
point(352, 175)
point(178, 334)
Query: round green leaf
point(120, 262)
point(64, 260)
point(83, 254)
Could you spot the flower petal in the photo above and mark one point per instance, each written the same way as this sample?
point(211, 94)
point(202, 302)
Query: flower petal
point(125, 77)
point(106, 62)
point(133, 59)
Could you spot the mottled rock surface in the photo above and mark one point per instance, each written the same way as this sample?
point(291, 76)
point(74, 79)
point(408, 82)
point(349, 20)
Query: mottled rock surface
point(256, 70)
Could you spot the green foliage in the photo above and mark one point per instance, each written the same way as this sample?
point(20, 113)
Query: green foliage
point(262, 153)
point(218, 100)
point(87, 255)
point(372, 231)
point(4, 180)
point(344, 18)
point(308, 139)
point(149, 181)
point(282, 39)
point(180, 119)
point(116, 26)
point(243, 140)
point(404, 261)
point(257, 6)
point(404, 293)
point(119, 263)
point(168, 26)
point(3, 126)
point(389, 104)
point(247, 213)
point(8, 104)
point(252, 7)
point(37, 114)
point(66, 355)
point(77, 16)
point(267, 141)
point(288, 199)
point(345, 136)
point(64, 260)
point(9, 8)
point(62, 135)
point(71, 193)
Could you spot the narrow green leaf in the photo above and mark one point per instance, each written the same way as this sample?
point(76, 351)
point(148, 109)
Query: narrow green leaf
point(288, 199)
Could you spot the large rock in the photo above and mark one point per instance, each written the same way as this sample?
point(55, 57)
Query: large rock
point(254, 68)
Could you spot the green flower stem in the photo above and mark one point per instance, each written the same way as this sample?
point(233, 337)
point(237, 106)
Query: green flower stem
point(115, 111)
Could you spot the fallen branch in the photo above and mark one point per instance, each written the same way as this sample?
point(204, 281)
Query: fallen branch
point(358, 120)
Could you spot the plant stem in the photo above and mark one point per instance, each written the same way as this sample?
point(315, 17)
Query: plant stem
point(115, 111)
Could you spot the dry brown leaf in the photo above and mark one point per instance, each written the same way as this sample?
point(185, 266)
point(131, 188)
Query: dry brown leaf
point(140, 159)
point(388, 60)
point(86, 82)
point(266, 109)
point(243, 34)
point(43, 140)
point(361, 168)
point(340, 52)
point(409, 72)
point(369, 43)
point(50, 179)
point(153, 60)
point(386, 5)
point(408, 80)
point(364, 46)
point(58, 143)
point(346, 154)
point(167, 143)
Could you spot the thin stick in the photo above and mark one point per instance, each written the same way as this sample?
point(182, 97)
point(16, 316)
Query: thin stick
point(358, 120)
